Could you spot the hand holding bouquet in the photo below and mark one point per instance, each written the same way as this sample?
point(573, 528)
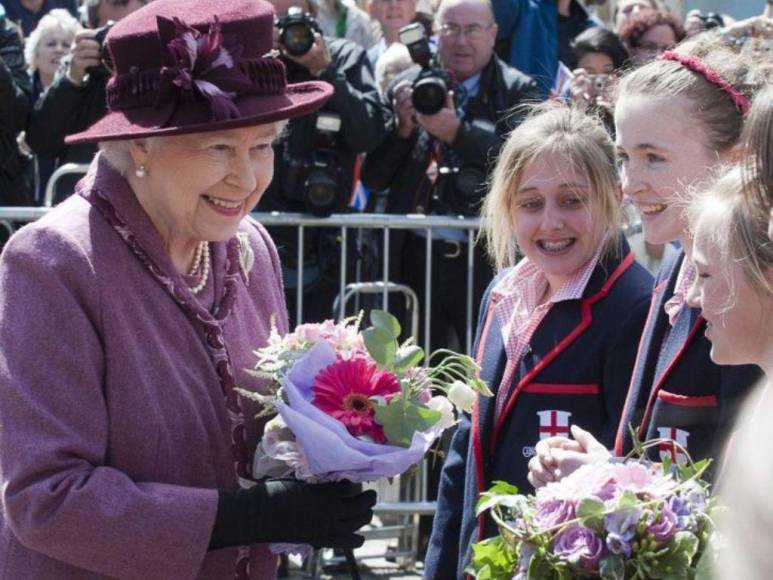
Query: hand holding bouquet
point(355, 405)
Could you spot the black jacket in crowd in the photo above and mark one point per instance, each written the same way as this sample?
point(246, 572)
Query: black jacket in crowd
point(363, 126)
point(62, 110)
point(401, 164)
point(15, 91)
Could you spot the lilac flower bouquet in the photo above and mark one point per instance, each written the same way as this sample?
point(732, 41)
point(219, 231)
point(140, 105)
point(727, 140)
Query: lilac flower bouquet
point(352, 404)
point(616, 521)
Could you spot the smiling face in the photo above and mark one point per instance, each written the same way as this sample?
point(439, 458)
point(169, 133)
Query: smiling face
point(54, 45)
point(393, 14)
point(663, 150)
point(555, 224)
point(739, 318)
point(467, 37)
point(199, 186)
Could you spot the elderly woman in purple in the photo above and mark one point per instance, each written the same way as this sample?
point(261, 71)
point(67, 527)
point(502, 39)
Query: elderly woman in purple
point(128, 314)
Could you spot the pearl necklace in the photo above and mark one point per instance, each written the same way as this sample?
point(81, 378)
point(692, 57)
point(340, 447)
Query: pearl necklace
point(200, 263)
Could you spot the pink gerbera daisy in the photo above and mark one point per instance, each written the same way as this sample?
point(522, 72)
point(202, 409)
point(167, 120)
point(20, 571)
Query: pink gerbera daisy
point(343, 390)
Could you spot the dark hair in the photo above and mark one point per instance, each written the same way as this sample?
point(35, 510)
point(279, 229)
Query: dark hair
point(639, 24)
point(599, 39)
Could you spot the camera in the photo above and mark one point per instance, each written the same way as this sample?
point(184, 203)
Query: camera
point(430, 88)
point(712, 20)
point(460, 189)
point(316, 180)
point(600, 82)
point(296, 31)
point(106, 63)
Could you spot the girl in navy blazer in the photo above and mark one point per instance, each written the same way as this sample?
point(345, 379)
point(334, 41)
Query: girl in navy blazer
point(677, 118)
point(557, 332)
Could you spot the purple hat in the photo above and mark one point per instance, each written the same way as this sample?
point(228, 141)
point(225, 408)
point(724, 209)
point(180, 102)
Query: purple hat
point(193, 66)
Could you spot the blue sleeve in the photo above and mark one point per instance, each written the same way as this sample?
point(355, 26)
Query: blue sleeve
point(618, 368)
point(507, 13)
point(443, 550)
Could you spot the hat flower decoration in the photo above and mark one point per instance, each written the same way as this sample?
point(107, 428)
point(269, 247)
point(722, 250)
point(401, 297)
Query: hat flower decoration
point(204, 66)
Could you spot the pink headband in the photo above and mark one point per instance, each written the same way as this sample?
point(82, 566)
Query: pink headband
point(695, 65)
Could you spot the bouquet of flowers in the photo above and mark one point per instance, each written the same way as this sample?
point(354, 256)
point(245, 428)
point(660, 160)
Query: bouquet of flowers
point(617, 521)
point(352, 404)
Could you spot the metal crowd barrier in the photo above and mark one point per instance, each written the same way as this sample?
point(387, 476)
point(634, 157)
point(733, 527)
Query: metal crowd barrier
point(413, 503)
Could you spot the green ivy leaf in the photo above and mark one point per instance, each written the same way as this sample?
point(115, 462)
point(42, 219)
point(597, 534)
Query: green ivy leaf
point(667, 462)
point(401, 418)
point(612, 568)
point(497, 494)
point(539, 567)
point(386, 322)
point(381, 345)
point(408, 357)
point(687, 543)
point(492, 559)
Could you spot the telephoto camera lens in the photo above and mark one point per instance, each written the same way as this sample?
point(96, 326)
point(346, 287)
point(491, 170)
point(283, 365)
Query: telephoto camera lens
point(321, 193)
point(429, 94)
point(296, 32)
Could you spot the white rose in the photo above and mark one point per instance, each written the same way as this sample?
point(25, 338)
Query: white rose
point(443, 405)
point(462, 396)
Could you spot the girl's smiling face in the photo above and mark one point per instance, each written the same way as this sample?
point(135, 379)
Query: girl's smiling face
point(663, 150)
point(554, 219)
point(739, 318)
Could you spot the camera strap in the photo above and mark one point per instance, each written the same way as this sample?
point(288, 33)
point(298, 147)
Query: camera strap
point(426, 186)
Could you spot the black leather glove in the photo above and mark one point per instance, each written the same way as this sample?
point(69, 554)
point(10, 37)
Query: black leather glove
point(288, 510)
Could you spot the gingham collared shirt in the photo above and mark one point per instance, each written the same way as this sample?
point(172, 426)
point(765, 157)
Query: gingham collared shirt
point(519, 313)
point(684, 281)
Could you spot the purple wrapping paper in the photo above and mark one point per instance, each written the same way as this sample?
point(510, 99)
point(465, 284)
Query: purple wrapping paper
point(331, 451)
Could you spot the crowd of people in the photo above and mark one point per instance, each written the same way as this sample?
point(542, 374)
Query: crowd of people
point(124, 449)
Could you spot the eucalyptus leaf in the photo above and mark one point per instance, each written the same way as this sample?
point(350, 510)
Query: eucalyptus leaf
point(381, 346)
point(400, 419)
point(408, 357)
point(590, 507)
point(386, 322)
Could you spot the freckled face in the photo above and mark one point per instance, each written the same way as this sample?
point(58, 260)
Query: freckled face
point(553, 217)
point(663, 150)
point(739, 319)
point(200, 186)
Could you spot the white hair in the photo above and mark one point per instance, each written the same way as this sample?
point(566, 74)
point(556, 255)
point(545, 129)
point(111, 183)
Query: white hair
point(392, 61)
point(56, 19)
point(117, 153)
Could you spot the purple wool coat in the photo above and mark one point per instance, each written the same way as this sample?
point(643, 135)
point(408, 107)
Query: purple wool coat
point(114, 437)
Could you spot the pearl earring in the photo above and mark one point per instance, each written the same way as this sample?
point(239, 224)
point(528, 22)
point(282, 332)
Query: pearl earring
point(140, 171)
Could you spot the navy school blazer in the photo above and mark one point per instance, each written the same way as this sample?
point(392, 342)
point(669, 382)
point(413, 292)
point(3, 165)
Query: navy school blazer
point(577, 370)
point(676, 391)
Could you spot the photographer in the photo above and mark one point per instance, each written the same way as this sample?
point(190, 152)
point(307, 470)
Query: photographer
point(439, 163)
point(315, 161)
point(76, 98)
point(598, 57)
point(15, 89)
